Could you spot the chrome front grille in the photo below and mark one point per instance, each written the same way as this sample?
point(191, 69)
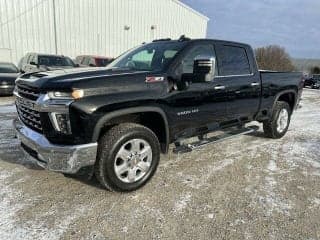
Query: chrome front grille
point(29, 117)
point(28, 92)
point(26, 107)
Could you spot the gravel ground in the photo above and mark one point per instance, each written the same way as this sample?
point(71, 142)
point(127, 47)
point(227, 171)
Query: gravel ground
point(249, 187)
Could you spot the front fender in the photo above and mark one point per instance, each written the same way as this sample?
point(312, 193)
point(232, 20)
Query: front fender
point(118, 113)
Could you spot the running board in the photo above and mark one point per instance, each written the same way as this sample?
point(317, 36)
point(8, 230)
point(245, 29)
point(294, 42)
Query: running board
point(185, 148)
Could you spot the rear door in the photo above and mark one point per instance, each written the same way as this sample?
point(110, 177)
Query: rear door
point(241, 80)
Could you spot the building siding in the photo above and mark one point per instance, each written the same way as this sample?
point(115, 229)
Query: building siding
point(92, 26)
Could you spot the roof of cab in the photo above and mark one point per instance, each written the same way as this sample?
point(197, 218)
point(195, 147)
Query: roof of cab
point(185, 39)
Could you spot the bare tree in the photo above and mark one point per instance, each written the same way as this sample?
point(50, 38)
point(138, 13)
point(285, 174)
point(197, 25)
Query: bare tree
point(274, 58)
point(315, 70)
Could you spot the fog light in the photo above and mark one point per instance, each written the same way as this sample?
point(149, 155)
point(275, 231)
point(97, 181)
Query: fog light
point(61, 122)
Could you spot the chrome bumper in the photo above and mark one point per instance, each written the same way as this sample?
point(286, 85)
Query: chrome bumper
point(59, 158)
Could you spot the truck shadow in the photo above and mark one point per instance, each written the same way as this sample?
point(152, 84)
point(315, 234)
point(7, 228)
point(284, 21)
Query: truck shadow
point(10, 152)
point(14, 155)
point(85, 176)
point(257, 134)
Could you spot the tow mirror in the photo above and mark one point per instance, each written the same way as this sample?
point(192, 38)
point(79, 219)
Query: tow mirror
point(204, 68)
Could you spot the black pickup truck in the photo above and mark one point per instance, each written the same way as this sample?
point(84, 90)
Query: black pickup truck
point(119, 119)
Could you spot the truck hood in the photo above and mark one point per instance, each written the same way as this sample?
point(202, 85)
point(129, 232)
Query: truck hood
point(53, 68)
point(66, 79)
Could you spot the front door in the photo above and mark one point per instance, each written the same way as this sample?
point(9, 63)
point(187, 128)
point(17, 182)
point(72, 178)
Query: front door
point(201, 105)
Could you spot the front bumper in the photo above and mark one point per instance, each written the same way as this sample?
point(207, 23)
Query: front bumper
point(59, 158)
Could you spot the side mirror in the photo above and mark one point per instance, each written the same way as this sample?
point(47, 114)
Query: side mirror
point(204, 68)
point(92, 65)
point(77, 65)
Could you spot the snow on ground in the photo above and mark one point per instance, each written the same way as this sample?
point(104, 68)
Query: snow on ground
point(7, 109)
point(248, 187)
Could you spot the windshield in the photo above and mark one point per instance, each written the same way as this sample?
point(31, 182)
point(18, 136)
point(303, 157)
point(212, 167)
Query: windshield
point(55, 61)
point(150, 57)
point(8, 68)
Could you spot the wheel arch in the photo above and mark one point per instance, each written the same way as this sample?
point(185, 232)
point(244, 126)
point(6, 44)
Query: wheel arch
point(150, 111)
point(289, 96)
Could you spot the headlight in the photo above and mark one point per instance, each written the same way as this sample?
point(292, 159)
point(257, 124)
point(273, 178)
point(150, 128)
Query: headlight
point(75, 94)
point(59, 95)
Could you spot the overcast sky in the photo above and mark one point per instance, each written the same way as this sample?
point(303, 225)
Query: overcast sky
point(293, 24)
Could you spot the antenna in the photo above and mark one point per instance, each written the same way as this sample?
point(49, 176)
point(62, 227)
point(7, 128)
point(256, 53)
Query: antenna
point(183, 38)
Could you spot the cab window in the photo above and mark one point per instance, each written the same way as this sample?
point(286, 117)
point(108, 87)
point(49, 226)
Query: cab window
point(232, 60)
point(187, 62)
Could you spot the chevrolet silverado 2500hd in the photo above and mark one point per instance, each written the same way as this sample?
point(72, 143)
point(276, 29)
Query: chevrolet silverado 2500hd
point(120, 118)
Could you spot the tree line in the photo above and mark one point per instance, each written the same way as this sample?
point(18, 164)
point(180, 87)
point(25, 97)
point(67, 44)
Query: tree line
point(275, 58)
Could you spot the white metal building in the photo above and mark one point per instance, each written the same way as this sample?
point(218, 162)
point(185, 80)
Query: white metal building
point(100, 27)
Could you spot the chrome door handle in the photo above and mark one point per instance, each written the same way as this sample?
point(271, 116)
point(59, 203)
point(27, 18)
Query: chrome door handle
point(255, 84)
point(219, 87)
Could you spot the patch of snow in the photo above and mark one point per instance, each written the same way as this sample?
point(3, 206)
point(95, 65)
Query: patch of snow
point(8, 109)
point(9, 207)
point(237, 222)
point(125, 229)
point(6, 124)
point(201, 181)
point(182, 203)
point(11, 204)
point(270, 199)
point(300, 188)
point(316, 201)
point(272, 166)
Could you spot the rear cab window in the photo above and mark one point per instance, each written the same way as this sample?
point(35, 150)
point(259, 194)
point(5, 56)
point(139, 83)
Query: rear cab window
point(232, 60)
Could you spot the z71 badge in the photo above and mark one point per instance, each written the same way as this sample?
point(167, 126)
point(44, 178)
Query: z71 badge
point(152, 79)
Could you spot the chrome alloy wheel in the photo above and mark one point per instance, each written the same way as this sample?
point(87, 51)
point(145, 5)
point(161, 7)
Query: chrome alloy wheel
point(283, 119)
point(133, 160)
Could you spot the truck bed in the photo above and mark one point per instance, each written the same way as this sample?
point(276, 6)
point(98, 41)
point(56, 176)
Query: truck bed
point(275, 82)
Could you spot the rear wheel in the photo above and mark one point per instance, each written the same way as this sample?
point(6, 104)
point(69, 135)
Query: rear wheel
point(279, 124)
point(128, 156)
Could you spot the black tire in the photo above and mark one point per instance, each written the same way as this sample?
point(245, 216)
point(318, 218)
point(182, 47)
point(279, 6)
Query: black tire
point(68, 175)
point(270, 127)
point(109, 145)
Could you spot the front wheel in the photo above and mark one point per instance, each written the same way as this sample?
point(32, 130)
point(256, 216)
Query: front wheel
point(279, 123)
point(128, 156)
